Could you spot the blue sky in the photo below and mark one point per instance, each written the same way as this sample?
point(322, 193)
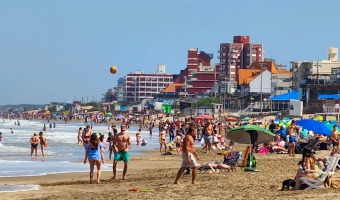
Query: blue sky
point(59, 50)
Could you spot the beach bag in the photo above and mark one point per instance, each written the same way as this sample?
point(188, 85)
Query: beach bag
point(263, 150)
point(251, 161)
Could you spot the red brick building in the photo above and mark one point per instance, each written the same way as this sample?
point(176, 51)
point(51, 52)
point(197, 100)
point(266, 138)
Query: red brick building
point(199, 76)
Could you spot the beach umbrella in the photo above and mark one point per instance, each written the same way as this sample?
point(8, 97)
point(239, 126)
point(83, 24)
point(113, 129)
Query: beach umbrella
point(108, 114)
point(206, 117)
point(330, 126)
point(246, 119)
point(231, 119)
point(315, 126)
point(241, 134)
point(333, 121)
point(250, 134)
point(286, 119)
point(319, 118)
point(120, 116)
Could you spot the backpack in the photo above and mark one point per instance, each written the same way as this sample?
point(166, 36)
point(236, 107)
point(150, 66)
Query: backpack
point(252, 161)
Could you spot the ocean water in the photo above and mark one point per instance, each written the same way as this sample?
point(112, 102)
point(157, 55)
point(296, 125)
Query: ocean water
point(62, 154)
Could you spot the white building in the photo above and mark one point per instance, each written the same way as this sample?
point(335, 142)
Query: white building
point(138, 85)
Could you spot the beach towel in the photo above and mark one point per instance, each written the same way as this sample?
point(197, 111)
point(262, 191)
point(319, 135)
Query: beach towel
point(263, 150)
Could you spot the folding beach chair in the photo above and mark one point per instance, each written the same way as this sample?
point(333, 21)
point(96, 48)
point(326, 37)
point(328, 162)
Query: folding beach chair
point(332, 163)
point(232, 159)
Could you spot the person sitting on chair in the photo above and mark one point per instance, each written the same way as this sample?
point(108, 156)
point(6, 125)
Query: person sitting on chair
point(309, 163)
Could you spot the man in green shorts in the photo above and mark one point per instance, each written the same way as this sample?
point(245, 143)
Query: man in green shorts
point(121, 145)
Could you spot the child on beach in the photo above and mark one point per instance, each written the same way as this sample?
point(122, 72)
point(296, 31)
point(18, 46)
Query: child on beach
point(110, 141)
point(138, 137)
point(95, 156)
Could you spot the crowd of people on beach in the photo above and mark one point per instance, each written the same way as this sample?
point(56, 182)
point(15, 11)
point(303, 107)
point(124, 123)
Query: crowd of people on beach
point(179, 137)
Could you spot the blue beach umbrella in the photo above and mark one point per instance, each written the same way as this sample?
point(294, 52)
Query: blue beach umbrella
point(315, 126)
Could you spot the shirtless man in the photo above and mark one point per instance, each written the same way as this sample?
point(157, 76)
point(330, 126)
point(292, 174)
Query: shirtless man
point(208, 137)
point(34, 144)
point(162, 140)
point(188, 155)
point(121, 145)
point(292, 138)
point(335, 139)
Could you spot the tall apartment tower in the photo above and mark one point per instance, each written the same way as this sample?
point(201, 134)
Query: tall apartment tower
point(237, 55)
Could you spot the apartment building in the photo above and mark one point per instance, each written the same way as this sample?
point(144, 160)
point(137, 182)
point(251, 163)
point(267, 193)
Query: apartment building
point(199, 77)
point(234, 56)
point(138, 85)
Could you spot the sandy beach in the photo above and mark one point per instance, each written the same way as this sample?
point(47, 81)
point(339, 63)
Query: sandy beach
point(157, 172)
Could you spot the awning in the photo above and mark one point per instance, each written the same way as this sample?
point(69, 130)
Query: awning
point(329, 96)
point(294, 95)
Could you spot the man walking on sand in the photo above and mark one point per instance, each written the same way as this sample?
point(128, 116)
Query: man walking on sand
point(188, 155)
point(121, 146)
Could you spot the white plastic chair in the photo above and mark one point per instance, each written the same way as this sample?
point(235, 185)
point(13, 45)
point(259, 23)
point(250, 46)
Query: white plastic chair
point(332, 163)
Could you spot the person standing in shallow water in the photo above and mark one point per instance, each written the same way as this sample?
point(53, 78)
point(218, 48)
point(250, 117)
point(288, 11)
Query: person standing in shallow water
point(79, 137)
point(43, 143)
point(188, 155)
point(121, 145)
point(34, 144)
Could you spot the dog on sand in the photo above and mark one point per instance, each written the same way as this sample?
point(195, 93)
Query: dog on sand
point(288, 184)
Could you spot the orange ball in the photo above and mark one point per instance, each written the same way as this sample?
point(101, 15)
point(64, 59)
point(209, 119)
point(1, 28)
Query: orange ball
point(113, 69)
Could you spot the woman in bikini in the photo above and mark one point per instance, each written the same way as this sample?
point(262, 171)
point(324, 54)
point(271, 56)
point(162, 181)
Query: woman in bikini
point(95, 155)
point(43, 142)
point(79, 137)
point(310, 163)
point(162, 141)
point(86, 136)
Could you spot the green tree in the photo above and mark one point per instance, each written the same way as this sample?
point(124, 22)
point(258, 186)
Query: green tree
point(208, 101)
point(52, 109)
